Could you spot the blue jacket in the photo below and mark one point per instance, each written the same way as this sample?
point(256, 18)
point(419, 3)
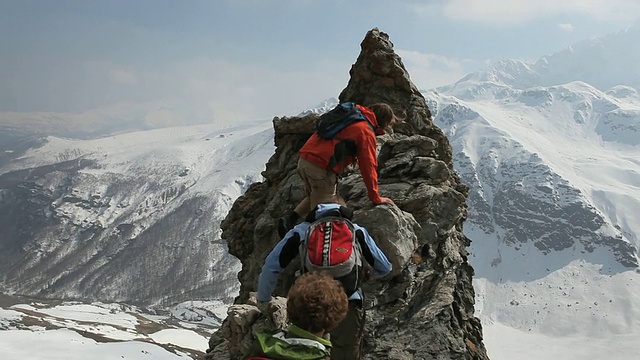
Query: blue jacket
point(288, 248)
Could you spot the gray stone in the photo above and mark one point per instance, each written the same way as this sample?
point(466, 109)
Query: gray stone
point(424, 309)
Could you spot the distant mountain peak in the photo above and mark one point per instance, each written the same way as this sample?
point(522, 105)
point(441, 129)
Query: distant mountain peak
point(602, 62)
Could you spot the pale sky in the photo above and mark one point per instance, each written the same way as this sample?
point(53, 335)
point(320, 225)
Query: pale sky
point(250, 59)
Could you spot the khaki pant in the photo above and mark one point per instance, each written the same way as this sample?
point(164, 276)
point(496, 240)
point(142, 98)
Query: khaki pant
point(319, 185)
point(347, 337)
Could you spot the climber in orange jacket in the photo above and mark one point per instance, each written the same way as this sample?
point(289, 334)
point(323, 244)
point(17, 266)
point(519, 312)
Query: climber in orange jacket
point(319, 169)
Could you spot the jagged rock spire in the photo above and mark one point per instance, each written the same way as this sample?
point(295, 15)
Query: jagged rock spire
point(424, 309)
point(379, 75)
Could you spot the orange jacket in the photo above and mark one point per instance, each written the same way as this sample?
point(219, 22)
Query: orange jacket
point(318, 151)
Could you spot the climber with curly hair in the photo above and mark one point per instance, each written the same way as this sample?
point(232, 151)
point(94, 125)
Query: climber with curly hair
point(316, 304)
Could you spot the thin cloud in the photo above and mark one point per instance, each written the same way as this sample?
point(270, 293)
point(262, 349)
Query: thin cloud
point(120, 76)
point(511, 12)
point(429, 71)
point(566, 27)
point(235, 91)
point(207, 88)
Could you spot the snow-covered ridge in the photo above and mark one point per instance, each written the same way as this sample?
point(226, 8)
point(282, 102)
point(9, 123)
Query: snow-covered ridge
point(109, 119)
point(552, 163)
point(604, 63)
point(101, 330)
point(549, 149)
point(156, 196)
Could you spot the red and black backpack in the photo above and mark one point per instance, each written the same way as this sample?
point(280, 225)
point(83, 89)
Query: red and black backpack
point(330, 245)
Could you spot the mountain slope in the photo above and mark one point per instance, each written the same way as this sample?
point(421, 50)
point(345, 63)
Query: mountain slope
point(555, 189)
point(77, 330)
point(549, 149)
point(132, 217)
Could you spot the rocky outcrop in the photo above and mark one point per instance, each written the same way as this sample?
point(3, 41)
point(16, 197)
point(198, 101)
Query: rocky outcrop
point(424, 309)
point(235, 338)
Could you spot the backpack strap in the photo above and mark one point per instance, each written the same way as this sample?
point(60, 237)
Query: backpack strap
point(342, 150)
point(366, 252)
point(371, 126)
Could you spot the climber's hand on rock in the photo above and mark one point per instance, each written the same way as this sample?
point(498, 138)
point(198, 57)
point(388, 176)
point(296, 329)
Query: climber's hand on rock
point(384, 200)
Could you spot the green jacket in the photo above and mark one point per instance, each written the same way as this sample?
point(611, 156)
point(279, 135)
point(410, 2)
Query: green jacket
point(295, 343)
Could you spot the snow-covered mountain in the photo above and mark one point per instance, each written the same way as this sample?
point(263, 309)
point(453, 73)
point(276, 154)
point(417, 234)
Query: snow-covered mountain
point(554, 171)
point(550, 150)
point(132, 217)
point(603, 63)
point(79, 330)
point(111, 119)
point(554, 186)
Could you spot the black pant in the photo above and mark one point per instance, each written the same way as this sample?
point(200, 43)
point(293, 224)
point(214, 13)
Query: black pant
point(347, 337)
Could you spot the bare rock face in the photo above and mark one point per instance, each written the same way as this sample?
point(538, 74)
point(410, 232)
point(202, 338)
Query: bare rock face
point(424, 309)
point(234, 339)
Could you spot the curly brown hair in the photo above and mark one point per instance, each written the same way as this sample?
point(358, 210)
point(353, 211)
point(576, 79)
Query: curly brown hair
point(317, 302)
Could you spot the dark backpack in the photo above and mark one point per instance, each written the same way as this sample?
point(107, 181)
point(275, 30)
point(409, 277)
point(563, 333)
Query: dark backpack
point(332, 122)
point(331, 245)
point(335, 120)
